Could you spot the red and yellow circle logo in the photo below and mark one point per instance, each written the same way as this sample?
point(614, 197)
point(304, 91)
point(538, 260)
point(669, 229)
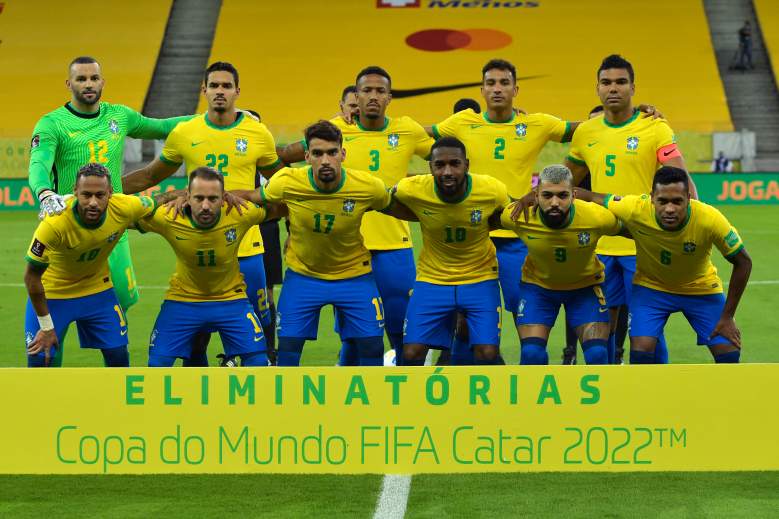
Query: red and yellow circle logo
point(439, 40)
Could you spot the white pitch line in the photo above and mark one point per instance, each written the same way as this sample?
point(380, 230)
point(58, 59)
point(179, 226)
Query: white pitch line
point(393, 497)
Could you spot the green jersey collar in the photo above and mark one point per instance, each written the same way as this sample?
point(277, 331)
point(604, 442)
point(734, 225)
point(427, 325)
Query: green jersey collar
point(363, 128)
point(468, 186)
point(571, 214)
point(238, 120)
point(82, 114)
point(320, 190)
point(633, 117)
point(486, 118)
point(83, 223)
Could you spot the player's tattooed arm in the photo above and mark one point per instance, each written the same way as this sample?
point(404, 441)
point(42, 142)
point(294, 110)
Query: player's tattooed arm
point(590, 196)
point(398, 209)
point(579, 171)
point(726, 326)
point(291, 153)
point(148, 176)
point(46, 337)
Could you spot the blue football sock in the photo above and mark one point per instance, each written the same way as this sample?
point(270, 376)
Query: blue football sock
point(533, 351)
point(161, 361)
point(396, 341)
point(290, 351)
point(488, 362)
point(37, 361)
point(198, 357)
point(611, 348)
point(116, 357)
point(596, 351)
point(731, 357)
point(642, 357)
point(259, 358)
point(415, 362)
point(371, 350)
point(661, 351)
point(462, 353)
point(349, 354)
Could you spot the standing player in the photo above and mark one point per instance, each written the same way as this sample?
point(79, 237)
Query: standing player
point(621, 151)
point(86, 130)
point(561, 269)
point(458, 269)
point(67, 272)
point(383, 146)
point(237, 146)
point(327, 262)
point(674, 236)
point(207, 292)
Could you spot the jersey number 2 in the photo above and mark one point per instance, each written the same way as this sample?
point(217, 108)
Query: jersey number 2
point(500, 145)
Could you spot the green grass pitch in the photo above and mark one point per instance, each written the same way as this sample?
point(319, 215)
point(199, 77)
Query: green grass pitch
point(576, 495)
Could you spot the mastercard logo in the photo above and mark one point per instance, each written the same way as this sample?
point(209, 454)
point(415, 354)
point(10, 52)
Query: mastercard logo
point(440, 40)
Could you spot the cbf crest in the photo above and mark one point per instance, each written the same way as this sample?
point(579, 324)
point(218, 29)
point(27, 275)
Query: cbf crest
point(393, 139)
point(521, 129)
point(231, 235)
point(113, 237)
point(241, 145)
point(476, 217)
point(584, 238)
point(348, 206)
point(113, 126)
point(632, 143)
point(689, 247)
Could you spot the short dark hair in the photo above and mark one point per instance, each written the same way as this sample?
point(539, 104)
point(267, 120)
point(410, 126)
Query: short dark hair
point(93, 169)
point(206, 173)
point(82, 60)
point(324, 130)
point(617, 61)
point(670, 175)
point(351, 89)
point(500, 64)
point(373, 69)
point(448, 142)
point(466, 103)
point(598, 109)
point(221, 66)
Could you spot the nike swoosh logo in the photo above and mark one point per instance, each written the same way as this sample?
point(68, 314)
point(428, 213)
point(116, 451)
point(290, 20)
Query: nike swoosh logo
point(666, 153)
point(399, 93)
point(474, 126)
point(601, 310)
point(197, 143)
point(180, 238)
point(73, 134)
point(349, 139)
point(644, 233)
point(258, 339)
point(591, 144)
point(124, 332)
point(427, 213)
point(532, 237)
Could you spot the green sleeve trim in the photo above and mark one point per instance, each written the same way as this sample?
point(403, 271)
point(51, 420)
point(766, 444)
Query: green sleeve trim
point(568, 134)
point(36, 263)
point(270, 166)
point(606, 200)
point(436, 135)
point(262, 194)
point(576, 161)
point(735, 252)
point(168, 161)
point(305, 144)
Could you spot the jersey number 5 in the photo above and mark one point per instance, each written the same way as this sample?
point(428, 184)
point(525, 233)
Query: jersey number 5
point(611, 167)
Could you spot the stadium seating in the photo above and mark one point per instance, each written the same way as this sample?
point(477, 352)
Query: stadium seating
point(294, 66)
point(40, 38)
point(768, 18)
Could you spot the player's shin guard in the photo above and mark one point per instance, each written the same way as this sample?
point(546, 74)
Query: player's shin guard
point(596, 351)
point(371, 350)
point(161, 361)
point(731, 357)
point(462, 353)
point(533, 351)
point(611, 348)
point(349, 354)
point(642, 357)
point(259, 358)
point(116, 357)
point(290, 351)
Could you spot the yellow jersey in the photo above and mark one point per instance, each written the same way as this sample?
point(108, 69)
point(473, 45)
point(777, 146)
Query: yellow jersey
point(76, 255)
point(237, 151)
point(456, 235)
point(386, 153)
point(678, 261)
point(564, 258)
point(505, 150)
point(206, 257)
point(622, 160)
point(324, 226)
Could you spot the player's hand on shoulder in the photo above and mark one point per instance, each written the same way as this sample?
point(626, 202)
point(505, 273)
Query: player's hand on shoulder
point(652, 111)
point(176, 203)
point(43, 341)
point(232, 201)
point(726, 327)
point(522, 207)
point(51, 203)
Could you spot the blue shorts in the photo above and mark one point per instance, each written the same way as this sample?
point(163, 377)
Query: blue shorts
point(540, 305)
point(179, 321)
point(394, 271)
point(511, 254)
point(431, 313)
point(356, 301)
point(100, 320)
point(618, 272)
point(253, 270)
point(650, 309)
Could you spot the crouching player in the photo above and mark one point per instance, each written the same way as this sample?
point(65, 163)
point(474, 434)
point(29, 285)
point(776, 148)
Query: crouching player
point(207, 292)
point(674, 236)
point(67, 275)
point(561, 268)
point(458, 268)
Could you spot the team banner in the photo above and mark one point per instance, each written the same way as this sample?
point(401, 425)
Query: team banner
point(739, 188)
point(390, 420)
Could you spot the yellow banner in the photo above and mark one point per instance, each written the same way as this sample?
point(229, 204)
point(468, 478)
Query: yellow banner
point(390, 420)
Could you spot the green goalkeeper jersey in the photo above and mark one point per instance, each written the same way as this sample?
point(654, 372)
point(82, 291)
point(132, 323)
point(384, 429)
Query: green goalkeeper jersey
point(66, 139)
